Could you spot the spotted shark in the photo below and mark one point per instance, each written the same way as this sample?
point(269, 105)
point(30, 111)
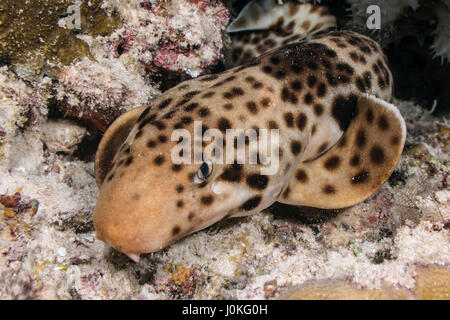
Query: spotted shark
point(328, 94)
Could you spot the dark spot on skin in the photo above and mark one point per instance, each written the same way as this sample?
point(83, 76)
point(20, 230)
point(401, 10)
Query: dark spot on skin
point(361, 138)
point(367, 79)
point(151, 143)
point(232, 173)
point(159, 125)
point(360, 177)
point(275, 60)
point(111, 176)
point(146, 121)
point(191, 216)
point(164, 104)
point(377, 155)
point(296, 85)
point(321, 90)
point(331, 80)
point(180, 204)
point(144, 114)
point(169, 115)
point(223, 124)
point(191, 106)
point(285, 94)
point(395, 140)
point(251, 204)
point(365, 49)
point(208, 94)
point(360, 85)
point(159, 160)
point(207, 200)
point(280, 74)
point(289, 119)
point(176, 167)
point(296, 147)
point(182, 102)
point(250, 79)
point(296, 68)
point(301, 176)
point(308, 99)
point(251, 106)
point(326, 64)
point(191, 94)
point(176, 230)
point(313, 130)
point(257, 181)
point(267, 69)
point(344, 67)
point(257, 85)
point(228, 106)
point(329, 189)
point(312, 65)
point(301, 121)
point(383, 123)
point(318, 109)
point(186, 120)
point(233, 93)
point(265, 102)
point(332, 163)
point(381, 83)
point(180, 188)
point(344, 110)
point(354, 161)
point(203, 112)
point(178, 125)
point(139, 134)
point(273, 124)
point(311, 81)
point(330, 53)
point(354, 56)
point(229, 79)
point(162, 139)
point(129, 161)
point(343, 79)
point(376, 69)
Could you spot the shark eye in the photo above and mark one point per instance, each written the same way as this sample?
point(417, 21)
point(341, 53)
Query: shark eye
point(205, 170)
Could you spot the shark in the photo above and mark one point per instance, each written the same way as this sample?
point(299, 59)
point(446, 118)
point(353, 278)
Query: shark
point(327, 93)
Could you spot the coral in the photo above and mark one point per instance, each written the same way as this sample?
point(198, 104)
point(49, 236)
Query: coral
point(62, 135)
point(24, 25)
point(99, 92)
point(21, 105)
point(179, 36)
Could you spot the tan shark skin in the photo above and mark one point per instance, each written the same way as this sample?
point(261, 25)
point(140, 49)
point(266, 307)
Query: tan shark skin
point(340, 139)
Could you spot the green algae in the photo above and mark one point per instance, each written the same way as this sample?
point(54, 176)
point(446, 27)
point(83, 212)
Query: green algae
point(30, 34)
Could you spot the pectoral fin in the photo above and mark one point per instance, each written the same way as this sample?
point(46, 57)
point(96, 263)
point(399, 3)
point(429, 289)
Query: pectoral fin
point(112, 141)
point(357, 166)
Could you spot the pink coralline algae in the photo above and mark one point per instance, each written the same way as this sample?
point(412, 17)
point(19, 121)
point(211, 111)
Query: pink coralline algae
point(189, 40)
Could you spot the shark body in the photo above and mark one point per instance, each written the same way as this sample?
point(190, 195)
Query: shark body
point(328, 93)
